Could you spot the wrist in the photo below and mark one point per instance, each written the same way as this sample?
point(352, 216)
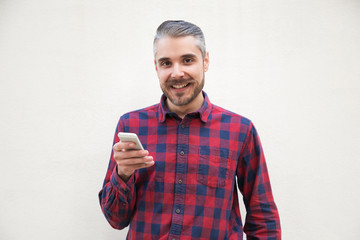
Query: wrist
point(124, 176)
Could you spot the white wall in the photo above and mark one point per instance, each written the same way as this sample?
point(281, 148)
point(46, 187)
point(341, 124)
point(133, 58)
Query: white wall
point(69, 69)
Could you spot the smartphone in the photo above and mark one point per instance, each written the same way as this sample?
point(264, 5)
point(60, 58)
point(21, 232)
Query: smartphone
point(131, 137)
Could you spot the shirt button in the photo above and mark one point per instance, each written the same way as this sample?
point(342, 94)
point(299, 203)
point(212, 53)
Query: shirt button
point(182, 153)
point(180, 181)
point(177, 211)
point(182, 126)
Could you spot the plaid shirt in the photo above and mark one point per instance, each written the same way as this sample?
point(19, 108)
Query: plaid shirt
point(190, 192)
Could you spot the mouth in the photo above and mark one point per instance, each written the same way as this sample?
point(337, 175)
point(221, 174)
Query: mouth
point(180, 86)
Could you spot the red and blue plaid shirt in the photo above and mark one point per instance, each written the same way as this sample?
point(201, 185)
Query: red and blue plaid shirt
point(190, 192)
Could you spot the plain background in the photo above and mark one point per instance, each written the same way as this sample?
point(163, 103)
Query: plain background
point(69, 69)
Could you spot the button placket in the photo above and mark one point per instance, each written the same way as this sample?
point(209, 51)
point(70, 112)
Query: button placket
point(179, 184)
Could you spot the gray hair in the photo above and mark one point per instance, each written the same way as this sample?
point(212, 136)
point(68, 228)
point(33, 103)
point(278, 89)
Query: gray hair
point(180, 29)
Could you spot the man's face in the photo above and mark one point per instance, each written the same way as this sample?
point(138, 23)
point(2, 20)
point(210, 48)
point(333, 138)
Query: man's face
point(180, 68)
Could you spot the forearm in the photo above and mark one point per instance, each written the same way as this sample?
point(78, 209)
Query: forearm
point(262, 222)
point(117, 201)
point(262, 218)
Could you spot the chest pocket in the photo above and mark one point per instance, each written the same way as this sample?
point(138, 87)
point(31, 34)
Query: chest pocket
point(213, 166)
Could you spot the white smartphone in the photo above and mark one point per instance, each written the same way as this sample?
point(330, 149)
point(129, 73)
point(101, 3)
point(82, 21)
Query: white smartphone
point(131, 137)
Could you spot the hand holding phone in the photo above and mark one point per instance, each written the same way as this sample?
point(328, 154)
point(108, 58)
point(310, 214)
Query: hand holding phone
point(129, 158)
point(131, 137)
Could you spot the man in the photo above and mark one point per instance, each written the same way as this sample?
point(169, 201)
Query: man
point(183, 186)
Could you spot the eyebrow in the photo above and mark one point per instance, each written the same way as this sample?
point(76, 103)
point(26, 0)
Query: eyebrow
point(189, 55)
point(163, 59)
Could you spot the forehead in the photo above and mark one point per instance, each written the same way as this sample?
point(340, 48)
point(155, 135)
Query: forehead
point(171, 47)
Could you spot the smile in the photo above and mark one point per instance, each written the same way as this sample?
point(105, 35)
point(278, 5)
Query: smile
point(180, 86)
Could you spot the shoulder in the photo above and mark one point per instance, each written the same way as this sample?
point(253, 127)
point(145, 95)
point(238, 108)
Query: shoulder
point(234, 122)
point(143, 113)
point(228, 116)
point(136, 120)
point(240, 128)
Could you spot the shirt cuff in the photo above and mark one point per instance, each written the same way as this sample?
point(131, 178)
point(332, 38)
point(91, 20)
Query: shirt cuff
point(125, 189)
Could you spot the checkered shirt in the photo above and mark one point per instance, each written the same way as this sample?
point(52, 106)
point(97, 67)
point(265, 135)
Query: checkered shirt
point(190, 192)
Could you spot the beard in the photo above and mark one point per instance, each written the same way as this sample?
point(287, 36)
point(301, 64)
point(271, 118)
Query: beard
point(179, 99)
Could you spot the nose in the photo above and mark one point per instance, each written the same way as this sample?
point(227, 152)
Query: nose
point(177, 71)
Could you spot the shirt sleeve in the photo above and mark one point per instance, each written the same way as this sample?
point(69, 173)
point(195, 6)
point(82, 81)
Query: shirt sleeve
point(262, 218)
point(117, 198)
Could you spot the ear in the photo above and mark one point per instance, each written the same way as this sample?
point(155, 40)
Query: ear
point(206, 61)
point(155, 65)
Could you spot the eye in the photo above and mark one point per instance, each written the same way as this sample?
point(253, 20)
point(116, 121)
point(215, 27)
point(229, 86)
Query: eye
point(165, 63)
point(188, 60)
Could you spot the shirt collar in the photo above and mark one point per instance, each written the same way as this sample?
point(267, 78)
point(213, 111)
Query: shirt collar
point(203, 112)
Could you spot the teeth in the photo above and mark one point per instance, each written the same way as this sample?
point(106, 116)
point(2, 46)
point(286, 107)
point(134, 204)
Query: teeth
point(179, 86)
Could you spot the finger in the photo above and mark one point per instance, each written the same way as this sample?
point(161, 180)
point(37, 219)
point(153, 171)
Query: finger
point(145, 165)
point(137, 166)
point(122, 155)
point(120, 146)
point(135, 161)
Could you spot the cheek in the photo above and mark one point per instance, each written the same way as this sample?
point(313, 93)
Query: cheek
point(163, 75)
point(196, 71)
point(158, 73)
point(196, 75)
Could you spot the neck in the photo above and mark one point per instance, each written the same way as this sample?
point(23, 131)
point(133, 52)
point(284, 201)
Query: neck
point(181, 111)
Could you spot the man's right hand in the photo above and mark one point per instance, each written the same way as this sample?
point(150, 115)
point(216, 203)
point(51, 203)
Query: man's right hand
point(128, 160)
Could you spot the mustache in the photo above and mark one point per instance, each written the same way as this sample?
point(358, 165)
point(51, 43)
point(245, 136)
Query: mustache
point(171, 82)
